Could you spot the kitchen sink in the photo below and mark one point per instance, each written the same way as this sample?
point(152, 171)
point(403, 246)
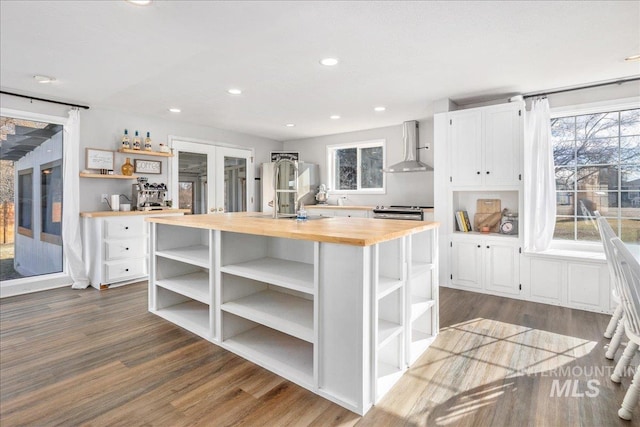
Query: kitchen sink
point(309, 217)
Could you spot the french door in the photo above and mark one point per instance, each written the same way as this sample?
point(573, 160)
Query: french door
point(212, 178)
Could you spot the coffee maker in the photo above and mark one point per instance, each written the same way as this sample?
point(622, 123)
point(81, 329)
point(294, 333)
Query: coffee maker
point(148, 197)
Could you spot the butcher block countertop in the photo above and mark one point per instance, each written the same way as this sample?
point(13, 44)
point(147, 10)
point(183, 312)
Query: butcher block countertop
point(350, 231)
point(96, 214)
point(351, 208)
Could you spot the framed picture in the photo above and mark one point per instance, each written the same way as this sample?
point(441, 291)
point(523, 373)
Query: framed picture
point(147, 166)
point(99, 159)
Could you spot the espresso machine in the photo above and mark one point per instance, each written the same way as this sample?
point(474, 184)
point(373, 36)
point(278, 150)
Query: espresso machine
point(148, 197)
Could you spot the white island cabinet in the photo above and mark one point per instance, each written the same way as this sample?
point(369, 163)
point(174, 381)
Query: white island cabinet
point(340, 306)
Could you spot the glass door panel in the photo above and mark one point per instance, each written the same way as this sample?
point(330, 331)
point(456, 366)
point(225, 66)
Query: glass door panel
point(234, 180)
point(30, 198)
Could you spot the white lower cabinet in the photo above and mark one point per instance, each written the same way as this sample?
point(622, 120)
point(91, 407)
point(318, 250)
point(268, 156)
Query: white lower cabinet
point(567, 281)
point(343, 321)
point(490, 264)
point(341, 212)
point(115, 248)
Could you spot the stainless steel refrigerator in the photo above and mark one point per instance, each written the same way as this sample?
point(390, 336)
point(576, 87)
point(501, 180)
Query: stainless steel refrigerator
point(308, 180)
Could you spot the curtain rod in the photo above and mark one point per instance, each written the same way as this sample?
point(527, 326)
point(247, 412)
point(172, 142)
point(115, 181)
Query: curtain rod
point(551, 92)
point(44, 99)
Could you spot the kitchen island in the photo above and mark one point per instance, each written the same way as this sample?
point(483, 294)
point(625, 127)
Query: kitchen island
point(340, 306)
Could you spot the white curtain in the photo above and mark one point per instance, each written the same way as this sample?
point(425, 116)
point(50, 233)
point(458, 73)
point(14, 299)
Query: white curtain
point(539, 182)
point(71, 239)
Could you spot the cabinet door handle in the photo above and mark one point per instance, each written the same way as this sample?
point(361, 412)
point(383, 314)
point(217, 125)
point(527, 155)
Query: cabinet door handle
point(126, 228)
point(126, 269)
point(478, 172)
point(488, 172)
point(478, 245)
point(487, 246)
point(126, 249)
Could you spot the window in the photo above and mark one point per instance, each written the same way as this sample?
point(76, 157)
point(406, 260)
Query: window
point(356, 167)
point(597, 167)
point(51, 202)
point(25, 202)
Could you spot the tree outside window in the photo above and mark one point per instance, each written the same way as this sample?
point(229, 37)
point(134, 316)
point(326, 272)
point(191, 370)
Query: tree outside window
point(597, 166)
point(357, 167)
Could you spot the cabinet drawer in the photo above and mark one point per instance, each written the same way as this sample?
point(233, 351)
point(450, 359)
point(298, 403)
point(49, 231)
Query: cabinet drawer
point(124, 227)
point(125, 248)
point(120, 270)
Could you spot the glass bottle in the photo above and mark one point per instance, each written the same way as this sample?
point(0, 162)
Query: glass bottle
point(147, 142)
point(136, 141)
point(125, 140)
point(127, 167)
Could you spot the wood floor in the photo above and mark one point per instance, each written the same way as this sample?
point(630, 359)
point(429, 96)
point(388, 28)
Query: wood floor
point(98, 358)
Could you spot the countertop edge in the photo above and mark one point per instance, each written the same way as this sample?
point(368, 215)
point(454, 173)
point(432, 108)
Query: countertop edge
point(222, 223)
point(97, 214)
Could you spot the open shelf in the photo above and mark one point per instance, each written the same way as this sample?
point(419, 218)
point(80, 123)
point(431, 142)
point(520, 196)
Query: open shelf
point(386, 285)
point(283, 312)
point(478, 233)
point(388, 375)
point(283, 354)
point(99, 175)
point(192, 285)
point(387, 331)
point(196, 255)
point(191, 315)
point(419, 305)
point(144, 152)
point(420, 341)
point(418, 267)
point(288, 274)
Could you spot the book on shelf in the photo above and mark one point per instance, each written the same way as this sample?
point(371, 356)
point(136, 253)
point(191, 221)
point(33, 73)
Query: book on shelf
point(462, 221)
point(460, 226)
point(467, 222)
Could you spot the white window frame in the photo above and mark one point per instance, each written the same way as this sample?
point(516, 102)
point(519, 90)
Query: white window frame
point(359, 145)
point(590, 108)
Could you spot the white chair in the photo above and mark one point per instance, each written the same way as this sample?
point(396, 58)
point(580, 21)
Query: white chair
point(615, 324)
point(628, 269)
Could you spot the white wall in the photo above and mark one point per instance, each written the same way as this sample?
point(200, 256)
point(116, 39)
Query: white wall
point(100, 128)
point(411, 188)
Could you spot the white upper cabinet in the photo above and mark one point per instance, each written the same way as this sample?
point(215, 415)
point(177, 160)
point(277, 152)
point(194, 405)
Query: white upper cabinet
point(485, 146)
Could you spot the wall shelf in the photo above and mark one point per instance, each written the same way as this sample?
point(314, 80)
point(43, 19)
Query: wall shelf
point(145, 153)
point(98, 175)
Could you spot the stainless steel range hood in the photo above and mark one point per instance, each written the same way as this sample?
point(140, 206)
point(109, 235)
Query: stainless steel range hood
point(410, 141)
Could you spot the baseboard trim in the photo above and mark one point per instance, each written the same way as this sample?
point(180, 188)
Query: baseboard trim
point(28, 285)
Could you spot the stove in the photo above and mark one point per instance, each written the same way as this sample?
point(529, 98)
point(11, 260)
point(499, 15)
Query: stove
point(412, 213)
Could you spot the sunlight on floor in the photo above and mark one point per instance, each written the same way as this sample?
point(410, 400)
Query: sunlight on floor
point(477, 363)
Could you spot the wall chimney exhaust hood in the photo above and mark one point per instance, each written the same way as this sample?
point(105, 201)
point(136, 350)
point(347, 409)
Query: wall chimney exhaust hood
point(410, 141)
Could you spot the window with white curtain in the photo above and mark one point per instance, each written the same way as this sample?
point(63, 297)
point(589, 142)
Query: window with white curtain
point(356, 167)
point(597, 167)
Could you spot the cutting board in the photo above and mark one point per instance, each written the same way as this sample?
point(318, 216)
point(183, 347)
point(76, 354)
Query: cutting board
point(491, 220)
point(488, 206)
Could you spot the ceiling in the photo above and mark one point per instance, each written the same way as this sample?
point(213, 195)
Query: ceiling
point(401, 55)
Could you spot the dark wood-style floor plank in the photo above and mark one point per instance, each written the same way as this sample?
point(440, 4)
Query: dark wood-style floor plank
point(99, 358)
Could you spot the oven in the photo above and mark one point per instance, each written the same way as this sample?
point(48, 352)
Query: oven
point(410, 213)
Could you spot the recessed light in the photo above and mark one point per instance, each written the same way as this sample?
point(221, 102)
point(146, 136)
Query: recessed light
point(234, 91)
point(175, 110)
point(334, 117)
point(44, 79)
point(380, 108)
point(632, 58)
point(289, 125)
point(139, 2)
point(329, 62)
